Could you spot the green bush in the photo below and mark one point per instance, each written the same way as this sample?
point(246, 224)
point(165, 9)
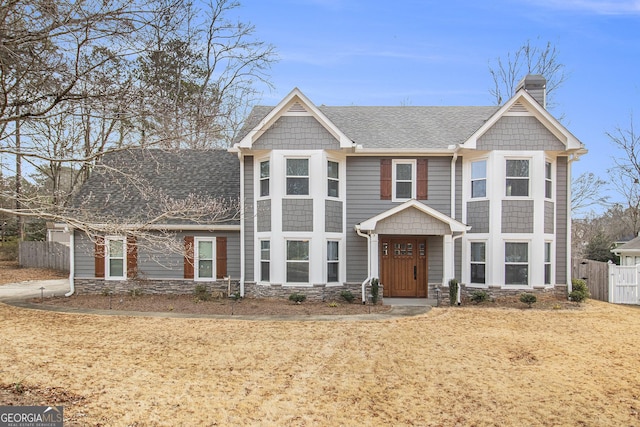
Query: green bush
point(297, 298)
point(479, 296)
point(201, 293)
point(135, 292)
point(528, 299)
point(347, 296)
point(580, 291)
point(453, 291)
point(375, 291)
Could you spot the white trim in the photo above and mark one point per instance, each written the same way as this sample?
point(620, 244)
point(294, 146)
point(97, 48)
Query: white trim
point(196, 259)
point(107, 257)
point(505, 263)
point(414, 175)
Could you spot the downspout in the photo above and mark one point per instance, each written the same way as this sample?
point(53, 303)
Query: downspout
point(454, 158)
point(71, 263)
point(570, 160)
point(242, 230)
point(368, 279)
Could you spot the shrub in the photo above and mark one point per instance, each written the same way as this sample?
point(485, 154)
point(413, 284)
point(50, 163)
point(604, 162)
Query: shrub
point(297, 298)
point(347, 296)
point(580, 286)
point(375, 291)
point(201, 293)
point(528, 299)
point(135, 292)
point(236, 296)
point(479, 296)
point(577, 296)
point(453, 291)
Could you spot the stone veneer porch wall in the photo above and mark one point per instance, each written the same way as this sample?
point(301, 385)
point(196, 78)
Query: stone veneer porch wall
point(319, 292)
point(559, 291)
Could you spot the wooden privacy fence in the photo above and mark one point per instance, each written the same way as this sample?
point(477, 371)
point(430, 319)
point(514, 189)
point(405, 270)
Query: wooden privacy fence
point(595, 274)
point(624, 284)
point(44, 255)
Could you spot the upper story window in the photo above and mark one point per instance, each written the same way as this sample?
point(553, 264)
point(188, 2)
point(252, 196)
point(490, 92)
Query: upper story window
point(264, 178)
point(333, 179)
point(204, 258)
point(517, 178)
point(479, 179)
point(297, 177)
point(116, 266)
point(404, 179)
point(548, 183)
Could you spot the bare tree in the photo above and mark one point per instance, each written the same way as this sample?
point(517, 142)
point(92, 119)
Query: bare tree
point(529, 58)
point(586, 192)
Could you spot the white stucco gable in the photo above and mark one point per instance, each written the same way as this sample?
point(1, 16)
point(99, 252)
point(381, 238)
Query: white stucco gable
point(294, 104)
point(523, 104)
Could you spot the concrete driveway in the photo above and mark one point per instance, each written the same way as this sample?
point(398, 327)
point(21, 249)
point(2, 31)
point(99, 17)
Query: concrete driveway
point(31, 289)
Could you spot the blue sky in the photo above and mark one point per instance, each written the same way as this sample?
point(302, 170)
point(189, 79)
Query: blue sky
point(411, 52)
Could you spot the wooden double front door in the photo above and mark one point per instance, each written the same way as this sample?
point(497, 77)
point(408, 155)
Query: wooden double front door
point(403, 266)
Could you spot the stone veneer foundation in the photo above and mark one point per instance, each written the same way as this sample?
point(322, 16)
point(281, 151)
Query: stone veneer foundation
point(559, 291)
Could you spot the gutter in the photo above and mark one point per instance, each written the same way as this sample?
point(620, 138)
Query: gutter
point(71, 263)
point(368, 279)
point(454, 158)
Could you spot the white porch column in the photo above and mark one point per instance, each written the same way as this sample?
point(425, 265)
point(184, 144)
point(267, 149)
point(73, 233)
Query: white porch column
point(448, 271)
point(375, 257)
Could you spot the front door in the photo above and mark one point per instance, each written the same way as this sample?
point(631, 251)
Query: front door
point(403, 265)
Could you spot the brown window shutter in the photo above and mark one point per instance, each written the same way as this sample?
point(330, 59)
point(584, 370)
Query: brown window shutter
point(421, 185)
point(221, 257)
point(132, 257)
point(188, 257)
point(99, 257)
point(385, 179)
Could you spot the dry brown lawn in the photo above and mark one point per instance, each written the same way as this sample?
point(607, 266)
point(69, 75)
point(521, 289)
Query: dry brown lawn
point(451, 366)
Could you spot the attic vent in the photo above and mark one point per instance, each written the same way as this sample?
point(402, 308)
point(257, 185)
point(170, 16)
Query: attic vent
point(297, 108)
point(518, 107)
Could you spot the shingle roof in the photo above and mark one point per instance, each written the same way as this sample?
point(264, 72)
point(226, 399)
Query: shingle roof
point(405, 127)
point(631, 245)
point(134, 185)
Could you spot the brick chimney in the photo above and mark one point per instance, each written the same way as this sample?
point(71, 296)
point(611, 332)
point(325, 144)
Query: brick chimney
point(536, 85)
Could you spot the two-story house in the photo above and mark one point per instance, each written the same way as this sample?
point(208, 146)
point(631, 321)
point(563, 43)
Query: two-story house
point(333, 197)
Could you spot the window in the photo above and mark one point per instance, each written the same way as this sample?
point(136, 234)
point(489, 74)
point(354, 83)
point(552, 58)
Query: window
point(333, 179)
point(516, 257)
point(204, 258)
point(333, 262)
point(517, 175)
point(115, 256)
point(404, 180)
point(478, 262)
point(264, 178)
point(265, 260)
point(547, 263)
point(479, 179)
point(297, 177)
point(297, 261)
point(548, 184)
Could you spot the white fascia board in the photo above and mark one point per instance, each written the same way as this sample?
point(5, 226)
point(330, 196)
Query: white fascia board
point(404, 151)
point(456, 226)
point(175, 227)
point(280, 109)
point(550, 122)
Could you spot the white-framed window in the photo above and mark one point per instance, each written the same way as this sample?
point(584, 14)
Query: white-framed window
point(265, 175)
point(516, 263)
point(517, 178)
point(297, 177)
point(333, 179)
point(265, 260)
point(479, 179)
point(547, 263)
point(205, 258)
point(333, 261)
point(116, 257)
point(478, 262)
point(548, 182)
point(297, 261)
point(404, 180)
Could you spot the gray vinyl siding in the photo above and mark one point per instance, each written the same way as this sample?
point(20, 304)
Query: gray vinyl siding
point(519, 133)
point(296, 132)
point(561, 220)
point(333, 216)
point(434, 259)
point(459, 185)
point(249, 234)
point(516, 216)
point(548, 217)
point(264, 215)
point(297, 214)
point(478, 216)
point(84, 256)
point(363, 202)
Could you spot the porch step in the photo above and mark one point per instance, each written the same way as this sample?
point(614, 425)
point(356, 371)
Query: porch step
point(410, 302)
